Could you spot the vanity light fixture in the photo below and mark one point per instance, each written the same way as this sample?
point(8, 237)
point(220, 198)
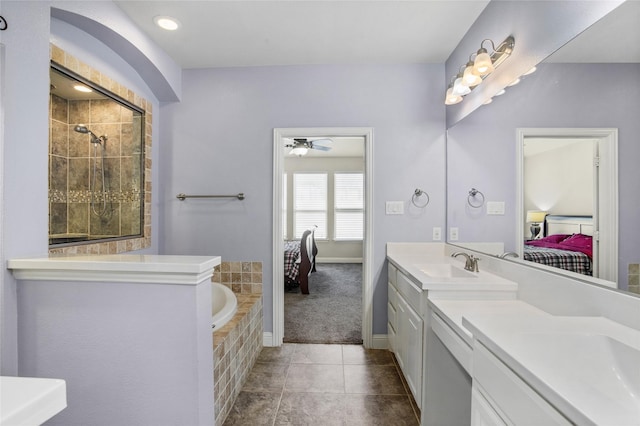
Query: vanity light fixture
point(167, 22)
point(476, 69)
point(451, 98)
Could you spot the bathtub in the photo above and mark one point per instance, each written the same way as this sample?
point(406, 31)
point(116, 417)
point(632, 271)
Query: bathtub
point(223, 305)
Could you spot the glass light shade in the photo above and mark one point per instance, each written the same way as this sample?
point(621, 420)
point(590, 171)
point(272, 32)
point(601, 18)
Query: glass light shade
point(451, 98)
point(470, 78)
point(535, 216)
point(459, 87)
point(483, 65)
point(299, 151)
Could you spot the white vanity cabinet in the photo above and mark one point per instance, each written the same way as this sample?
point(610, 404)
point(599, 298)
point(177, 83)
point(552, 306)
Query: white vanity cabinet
point(500, 397)
point(405, 328)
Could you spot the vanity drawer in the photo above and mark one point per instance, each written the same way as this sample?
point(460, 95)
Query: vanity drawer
point(454, 343)
point(509, 394)
point(411, 293)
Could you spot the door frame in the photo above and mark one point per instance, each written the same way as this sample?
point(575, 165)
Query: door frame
point(278, 244)
point(607, 191)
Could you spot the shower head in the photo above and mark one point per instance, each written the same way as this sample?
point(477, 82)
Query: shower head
point(81, 128)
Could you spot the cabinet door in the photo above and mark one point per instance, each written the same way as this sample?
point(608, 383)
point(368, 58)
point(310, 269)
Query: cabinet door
point(391, 327)
point(482, 414)
point(414, 354)
point(401, 334)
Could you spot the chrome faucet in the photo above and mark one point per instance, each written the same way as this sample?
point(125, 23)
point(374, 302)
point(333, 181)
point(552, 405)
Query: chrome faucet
point(471, 262)
point(508, 254)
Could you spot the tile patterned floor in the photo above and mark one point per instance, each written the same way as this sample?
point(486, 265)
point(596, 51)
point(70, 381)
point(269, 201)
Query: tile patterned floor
point(309, 384)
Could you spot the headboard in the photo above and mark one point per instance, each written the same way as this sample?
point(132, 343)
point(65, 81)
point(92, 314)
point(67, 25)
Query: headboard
point(562, 224)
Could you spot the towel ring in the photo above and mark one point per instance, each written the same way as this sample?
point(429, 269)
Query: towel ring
point(416, 195)
point(472, 197)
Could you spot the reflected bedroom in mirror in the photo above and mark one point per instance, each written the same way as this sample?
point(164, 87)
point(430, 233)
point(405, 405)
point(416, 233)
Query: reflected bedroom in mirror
point(96, 163)
point(556, 156)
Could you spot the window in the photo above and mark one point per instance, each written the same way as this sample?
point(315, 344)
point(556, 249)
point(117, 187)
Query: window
point(310, 203)
point(349, 206)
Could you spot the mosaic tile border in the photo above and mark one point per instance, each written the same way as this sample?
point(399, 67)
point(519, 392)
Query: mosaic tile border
point(72, 63)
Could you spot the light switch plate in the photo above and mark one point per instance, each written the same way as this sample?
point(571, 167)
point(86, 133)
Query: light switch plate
point(437, 233)
point(394, 207)
point(495, 207)
point(453, 234)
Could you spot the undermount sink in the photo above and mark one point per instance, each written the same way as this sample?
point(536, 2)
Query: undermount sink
point(445, 270)
point(584, 356)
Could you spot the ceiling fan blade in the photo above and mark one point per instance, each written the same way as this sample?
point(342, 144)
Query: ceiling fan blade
point(323, 141)
point(321, 148)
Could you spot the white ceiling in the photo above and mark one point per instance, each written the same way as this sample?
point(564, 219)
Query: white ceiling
point(236, 33)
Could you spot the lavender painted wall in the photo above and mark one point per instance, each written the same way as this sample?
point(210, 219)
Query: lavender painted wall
point(218, 140)
point(481, 149)
point(26, 126)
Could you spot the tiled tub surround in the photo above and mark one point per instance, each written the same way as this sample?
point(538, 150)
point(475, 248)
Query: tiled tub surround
point(238, 343)
point(634, 278)
point(125, 195)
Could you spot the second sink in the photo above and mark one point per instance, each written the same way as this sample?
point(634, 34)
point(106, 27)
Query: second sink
point(445, 270)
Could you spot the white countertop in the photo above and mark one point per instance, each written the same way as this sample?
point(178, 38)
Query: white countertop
point(411, 258)
point(138, 268)
point(566, 359)
point(30, 401)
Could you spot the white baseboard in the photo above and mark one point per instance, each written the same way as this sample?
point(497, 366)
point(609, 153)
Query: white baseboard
point(267, 339)
point(338, 260)
point(379, 341)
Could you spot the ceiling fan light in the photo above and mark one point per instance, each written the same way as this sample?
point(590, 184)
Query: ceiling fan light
point(451, 98)
point(483, 65)
point(299, 151)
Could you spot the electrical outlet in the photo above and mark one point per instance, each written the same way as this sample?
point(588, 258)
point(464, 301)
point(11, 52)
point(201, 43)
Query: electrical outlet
point(437, 233)
point(453, 234)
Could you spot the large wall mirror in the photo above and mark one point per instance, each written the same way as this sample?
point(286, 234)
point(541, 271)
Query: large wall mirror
point(96, 163)
point(535, 150)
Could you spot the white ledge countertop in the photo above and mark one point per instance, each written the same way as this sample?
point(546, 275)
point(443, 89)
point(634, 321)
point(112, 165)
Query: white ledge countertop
point(134, 268)
point(587, 367)
point(30, 401)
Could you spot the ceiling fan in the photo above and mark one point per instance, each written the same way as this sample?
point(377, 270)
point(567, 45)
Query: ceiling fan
point(300, 146)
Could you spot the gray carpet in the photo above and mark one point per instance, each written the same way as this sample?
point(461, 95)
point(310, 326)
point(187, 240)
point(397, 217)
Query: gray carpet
point(332, 312)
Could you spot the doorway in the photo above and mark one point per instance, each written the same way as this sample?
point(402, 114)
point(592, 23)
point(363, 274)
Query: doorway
point(600, 178)
point(281, 138)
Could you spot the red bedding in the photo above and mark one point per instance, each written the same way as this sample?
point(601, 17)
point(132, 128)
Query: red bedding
point(576, 242)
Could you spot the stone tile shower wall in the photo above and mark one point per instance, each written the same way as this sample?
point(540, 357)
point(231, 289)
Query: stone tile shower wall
point(238, 343)
point(71, 169)
point(72, 63)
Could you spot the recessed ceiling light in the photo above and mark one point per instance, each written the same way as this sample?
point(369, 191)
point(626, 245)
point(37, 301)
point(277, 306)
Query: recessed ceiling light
point(167, 22)
point(81, 88)
point(531, 71)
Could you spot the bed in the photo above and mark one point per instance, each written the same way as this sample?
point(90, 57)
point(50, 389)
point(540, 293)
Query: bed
point(300, 261)
point(566, 244)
